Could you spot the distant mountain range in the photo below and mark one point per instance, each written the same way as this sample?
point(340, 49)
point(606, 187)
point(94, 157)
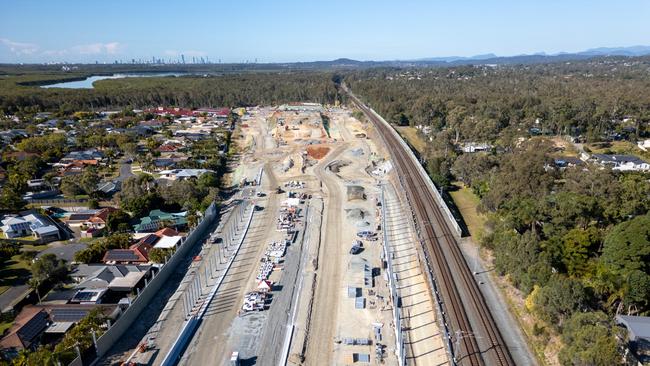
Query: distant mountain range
point(601, 51)
point(490, 58)
point(346, 63)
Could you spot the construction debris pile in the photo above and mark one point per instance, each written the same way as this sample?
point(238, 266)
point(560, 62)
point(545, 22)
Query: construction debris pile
point(288, 216)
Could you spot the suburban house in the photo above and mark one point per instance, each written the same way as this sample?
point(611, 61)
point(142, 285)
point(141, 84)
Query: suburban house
point(567, 161)
point(644, 145)
point(218, 113)
point(26, 331)
point(169, 161)
point(19, 155)
point(136, 254)
point(104, 284)
point(621, 162)
point(76, 167)
point(64, 317)
point(154, 124)
point(8, 136)
point(65, 252)
point(165, 238)
point(169, 147)
point(638, 330)
point(174, 111)
point(158, 219)
point(91, 154)
point(180, 174)
point(474, 147)
point(100, 219)
point(109, 187)
point(32, 224)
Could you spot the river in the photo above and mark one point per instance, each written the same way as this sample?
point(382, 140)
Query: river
point(88, 82)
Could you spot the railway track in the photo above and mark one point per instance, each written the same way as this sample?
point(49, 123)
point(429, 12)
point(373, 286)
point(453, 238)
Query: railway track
point(476, 339)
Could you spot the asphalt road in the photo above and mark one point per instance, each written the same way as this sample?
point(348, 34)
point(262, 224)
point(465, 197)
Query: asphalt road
point(275, 331)
point(8, 297)
point(216, 326)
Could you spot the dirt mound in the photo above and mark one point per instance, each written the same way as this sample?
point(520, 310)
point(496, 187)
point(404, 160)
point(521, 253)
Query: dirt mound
point(355, 214)
point(356, 193)
point(317, 152)
point(336, 165)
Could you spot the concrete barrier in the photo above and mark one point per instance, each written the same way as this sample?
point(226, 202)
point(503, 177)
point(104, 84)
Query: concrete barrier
point(179, 344)
point(436, 194)
point(397, 318)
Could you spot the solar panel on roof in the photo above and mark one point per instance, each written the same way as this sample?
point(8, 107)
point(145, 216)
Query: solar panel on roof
point(121, 255)
point(84, 295)
point(68, 315)
point(149, 239)
point(33, 327)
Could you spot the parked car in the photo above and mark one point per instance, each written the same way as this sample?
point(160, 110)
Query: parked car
point(357, 247)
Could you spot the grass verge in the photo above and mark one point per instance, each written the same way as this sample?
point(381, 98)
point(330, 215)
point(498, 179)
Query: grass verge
point(414, 139)
point(467, 202)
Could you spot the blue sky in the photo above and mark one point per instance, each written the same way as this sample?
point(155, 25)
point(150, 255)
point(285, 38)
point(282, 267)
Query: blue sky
point(288, 30)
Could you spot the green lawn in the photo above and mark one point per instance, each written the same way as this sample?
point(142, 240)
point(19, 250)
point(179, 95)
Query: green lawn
point(414, 139)
point(22, 238)
point(467, 201)
point(4, 326)
point(15, 271)
point(38, 248)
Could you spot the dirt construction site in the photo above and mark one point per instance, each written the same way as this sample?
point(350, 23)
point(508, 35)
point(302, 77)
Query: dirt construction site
point(309, 283)
point(342, 312)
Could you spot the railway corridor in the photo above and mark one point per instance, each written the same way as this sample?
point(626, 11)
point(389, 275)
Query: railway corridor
point(476, 339)
point(423, 340)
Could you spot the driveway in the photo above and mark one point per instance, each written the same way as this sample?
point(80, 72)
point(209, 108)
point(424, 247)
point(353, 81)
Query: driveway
point(125, 171)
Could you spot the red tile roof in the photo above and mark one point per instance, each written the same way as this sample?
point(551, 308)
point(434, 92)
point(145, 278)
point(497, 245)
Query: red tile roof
point(102, 216)
point(214, 111)
point(166, 232)
point(29, 324)
point(137, 253)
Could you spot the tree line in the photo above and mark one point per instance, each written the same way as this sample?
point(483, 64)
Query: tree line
point(187, 91)
point(574, 241)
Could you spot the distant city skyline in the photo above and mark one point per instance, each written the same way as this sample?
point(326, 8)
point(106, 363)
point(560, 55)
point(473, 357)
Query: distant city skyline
point(290, 30)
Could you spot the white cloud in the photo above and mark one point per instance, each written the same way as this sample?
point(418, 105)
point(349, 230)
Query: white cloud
point(188, 53)
point(19, 48)
point(110, 48)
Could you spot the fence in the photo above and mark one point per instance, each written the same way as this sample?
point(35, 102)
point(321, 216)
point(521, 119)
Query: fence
point(115, 332)
point(55, 201)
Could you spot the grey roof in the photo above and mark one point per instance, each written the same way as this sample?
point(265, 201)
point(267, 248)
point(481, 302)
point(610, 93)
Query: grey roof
point(65, 252)
point(637, 326)
point(108, 187)
point(100, 276)
point(46, 230)
point(614, 158)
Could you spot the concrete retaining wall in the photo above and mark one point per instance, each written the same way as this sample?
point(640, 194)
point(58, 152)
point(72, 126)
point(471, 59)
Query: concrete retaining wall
point(108, 339)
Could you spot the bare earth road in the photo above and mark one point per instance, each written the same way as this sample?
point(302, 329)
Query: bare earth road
point(320, 339)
